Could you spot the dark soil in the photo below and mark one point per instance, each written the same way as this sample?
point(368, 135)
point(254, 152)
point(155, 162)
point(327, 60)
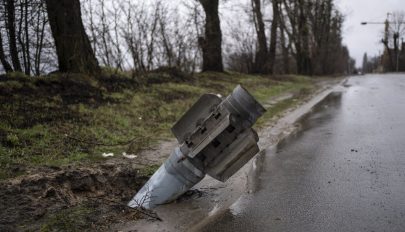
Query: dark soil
point(97, 195)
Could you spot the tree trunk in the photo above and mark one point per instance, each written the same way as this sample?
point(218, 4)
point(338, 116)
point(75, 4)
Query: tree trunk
point(10, 9)
point(273, 36)
point(40, 36)
point(304, 64)
point(211, 44)
point(396, 37)
point(261, 53)
point(27, 40)
point(3, 60)
point(73, 48)
point(284, 51)
point(390, 56)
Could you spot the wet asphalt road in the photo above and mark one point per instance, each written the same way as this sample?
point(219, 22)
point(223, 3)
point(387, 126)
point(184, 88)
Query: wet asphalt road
point(345, 171)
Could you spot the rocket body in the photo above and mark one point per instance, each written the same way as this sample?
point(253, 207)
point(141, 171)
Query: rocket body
point(215, 138)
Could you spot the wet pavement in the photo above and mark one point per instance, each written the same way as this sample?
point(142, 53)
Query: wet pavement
point(344, 171)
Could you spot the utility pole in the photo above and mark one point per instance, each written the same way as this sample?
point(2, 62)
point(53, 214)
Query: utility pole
point(396, 38)
point(385, 40)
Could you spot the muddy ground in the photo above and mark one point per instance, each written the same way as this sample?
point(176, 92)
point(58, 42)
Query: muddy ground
point(69, 198)
point(77, 198)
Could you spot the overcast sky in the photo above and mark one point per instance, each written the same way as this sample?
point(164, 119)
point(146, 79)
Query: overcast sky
point(366, 38)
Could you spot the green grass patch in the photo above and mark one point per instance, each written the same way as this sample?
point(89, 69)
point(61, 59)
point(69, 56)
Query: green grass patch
point(275, 110)
point(59, 120)
point(149, 170)
point(71, 219)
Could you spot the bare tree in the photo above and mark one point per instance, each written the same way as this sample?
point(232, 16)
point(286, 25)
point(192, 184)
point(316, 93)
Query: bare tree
point(40, 27)
point(314, 28)
point(3, 60)
point(23, 33)
point(10, 11)
point(211, 43)
point(273, 35)
point(396, 31)
point(72, 44)
point(302, 36)
point(285, 47)
point(261, 52)
point(243, 55)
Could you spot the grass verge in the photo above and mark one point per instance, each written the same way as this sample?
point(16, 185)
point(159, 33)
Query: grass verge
point(72, 119)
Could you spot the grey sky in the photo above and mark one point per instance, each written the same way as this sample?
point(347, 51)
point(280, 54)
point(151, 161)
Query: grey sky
point(366, 38)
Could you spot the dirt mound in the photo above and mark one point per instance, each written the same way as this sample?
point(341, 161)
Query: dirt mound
point(165, 75)
point(117, 83)
point(68, 199)
point(27, 101)
point(72, 88)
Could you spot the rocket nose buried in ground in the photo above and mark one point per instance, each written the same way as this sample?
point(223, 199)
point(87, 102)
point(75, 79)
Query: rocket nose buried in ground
point(215, 138)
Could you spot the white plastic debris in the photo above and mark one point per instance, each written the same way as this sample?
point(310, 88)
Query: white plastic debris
point(129, 156)
point(107, 154)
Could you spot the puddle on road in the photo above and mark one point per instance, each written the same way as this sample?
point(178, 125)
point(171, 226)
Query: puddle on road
point(321, 113)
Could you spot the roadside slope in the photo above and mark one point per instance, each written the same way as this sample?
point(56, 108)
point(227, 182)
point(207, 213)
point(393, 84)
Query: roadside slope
point(55, 129)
